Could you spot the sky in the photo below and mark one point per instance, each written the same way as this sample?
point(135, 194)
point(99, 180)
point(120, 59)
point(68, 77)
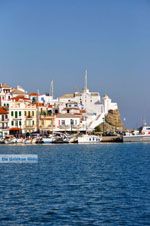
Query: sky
point(44, 40)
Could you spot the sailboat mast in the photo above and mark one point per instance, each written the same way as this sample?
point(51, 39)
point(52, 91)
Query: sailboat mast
point(52, 89)
point(85, 82)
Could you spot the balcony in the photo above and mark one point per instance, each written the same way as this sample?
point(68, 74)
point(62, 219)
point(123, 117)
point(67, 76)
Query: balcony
point(50, 127)
point(29, 117)
point(46, 117)
point(4, 128)
point(29, 126)
point(4, 121)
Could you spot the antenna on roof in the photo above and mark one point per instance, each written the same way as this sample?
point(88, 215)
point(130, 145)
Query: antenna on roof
point(52, 89)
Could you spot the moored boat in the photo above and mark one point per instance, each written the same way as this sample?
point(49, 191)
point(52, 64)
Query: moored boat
point(143, 135)
point(89, 139)
point(47, 140)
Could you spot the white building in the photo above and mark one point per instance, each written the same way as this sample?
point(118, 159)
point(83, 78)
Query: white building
point(67, 122)
point(108, 105)
point(96, 108)
point(4, 129)
point(5, 94)
point(22, 115)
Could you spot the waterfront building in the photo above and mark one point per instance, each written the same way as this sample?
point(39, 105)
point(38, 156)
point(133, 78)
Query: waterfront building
point(45, 117)
point(22, 115)
point(46, 123)
point(4, 129)
point(67, 122)
point(41, 112)
point(5, 95)
point(72, 108)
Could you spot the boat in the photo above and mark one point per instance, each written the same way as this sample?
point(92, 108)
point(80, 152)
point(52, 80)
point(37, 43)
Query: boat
point(10, 140)
point(89, 139)
point(47, 140)
point(2, 141)
point(141, 135)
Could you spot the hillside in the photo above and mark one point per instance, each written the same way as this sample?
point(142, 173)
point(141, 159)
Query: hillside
point(112, 122)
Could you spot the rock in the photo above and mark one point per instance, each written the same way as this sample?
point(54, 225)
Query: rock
point(112, 122)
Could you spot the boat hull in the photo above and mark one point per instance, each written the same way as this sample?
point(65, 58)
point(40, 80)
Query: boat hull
point(89, 139)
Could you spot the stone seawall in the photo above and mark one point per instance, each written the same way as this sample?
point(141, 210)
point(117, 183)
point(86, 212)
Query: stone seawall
point(114, 139)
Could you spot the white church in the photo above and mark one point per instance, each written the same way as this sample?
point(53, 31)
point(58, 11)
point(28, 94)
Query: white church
point(96, 107)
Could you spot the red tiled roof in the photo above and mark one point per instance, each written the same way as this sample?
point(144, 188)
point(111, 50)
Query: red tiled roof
point(33, 94)
point(17, 98)
point(3, 111)
point(50, 106)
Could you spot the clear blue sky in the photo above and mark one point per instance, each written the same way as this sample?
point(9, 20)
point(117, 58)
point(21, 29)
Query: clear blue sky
point(41, 40)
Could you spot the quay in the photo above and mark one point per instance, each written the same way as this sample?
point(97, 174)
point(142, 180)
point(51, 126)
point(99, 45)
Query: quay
point(112, 139)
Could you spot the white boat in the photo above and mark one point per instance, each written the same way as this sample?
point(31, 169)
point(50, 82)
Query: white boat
point(47, 140)
point(89, 139)
point(11, 140)
point(28, 141)
point(138, 136)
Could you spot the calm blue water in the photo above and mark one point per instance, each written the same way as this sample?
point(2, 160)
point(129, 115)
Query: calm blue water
point(106, 184)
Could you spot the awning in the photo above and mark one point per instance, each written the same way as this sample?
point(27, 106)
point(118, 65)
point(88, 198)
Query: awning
point(14, 129)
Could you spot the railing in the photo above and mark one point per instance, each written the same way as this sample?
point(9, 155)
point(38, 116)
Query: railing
point(25, 127)
point(29, 117)
point(4, 127)
point(5, 120)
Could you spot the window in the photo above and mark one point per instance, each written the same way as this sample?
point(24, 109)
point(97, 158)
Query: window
point(56, 111)
point(16, 114)
point(19, 113)
point(25, 113)
point(71, 122)
point(62, 122)
point(32, 123)
point(19, 123)
point(12, 123)
point(32, 113)
point(12, 113)
point(49, 112)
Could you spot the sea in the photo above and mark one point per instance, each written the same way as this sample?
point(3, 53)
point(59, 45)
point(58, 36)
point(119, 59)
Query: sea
point(76, 185)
